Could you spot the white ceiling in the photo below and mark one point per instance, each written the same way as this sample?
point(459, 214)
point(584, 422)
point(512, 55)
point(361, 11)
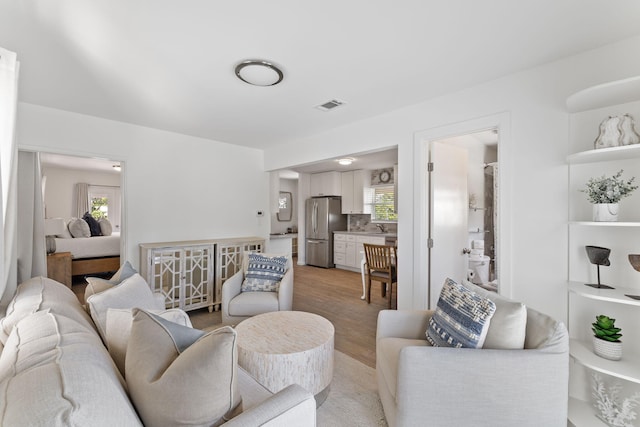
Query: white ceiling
point(78, 163)
point(169, 64)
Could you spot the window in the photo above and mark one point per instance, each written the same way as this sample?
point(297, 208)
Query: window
point(381, 200)
point(100, 207)
point(104, 202)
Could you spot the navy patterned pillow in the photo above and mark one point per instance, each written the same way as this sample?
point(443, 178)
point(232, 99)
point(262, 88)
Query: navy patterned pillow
point(461, 319)
point(264, 273)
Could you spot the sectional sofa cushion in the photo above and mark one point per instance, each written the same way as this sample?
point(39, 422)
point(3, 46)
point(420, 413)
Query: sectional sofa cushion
point(119, 329)
point(181, 376)
point(508, 326)
point(131, 293)
point(41, 293)
point(55, 372)
point(461, 318)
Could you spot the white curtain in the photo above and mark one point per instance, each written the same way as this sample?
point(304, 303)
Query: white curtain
point(31, 245)
point(9, 70)
point(82, 199)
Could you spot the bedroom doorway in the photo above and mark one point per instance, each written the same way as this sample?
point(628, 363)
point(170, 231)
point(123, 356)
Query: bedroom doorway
point(105, 178)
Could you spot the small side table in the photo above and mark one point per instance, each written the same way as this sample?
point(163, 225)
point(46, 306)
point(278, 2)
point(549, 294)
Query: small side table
point(59, 267)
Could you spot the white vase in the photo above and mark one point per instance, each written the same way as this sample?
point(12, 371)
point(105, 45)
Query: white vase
point(607, 349)
point(605, 212)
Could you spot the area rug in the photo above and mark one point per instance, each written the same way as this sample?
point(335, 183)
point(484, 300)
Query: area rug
point(353, 397)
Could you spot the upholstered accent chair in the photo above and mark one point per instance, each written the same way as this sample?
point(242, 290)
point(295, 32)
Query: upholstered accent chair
point(238, 305)
point(526, 385)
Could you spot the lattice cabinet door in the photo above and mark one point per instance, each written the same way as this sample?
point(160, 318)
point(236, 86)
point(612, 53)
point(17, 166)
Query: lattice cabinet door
point(164, 274)
point(198, 274)
point(183, 274)
point(230, 260)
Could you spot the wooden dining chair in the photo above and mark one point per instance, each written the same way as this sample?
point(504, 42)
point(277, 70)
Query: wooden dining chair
point(381, 266)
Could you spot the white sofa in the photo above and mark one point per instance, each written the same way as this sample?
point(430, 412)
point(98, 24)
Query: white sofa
point(437, 386)
point(55, 371)
point(238, 306)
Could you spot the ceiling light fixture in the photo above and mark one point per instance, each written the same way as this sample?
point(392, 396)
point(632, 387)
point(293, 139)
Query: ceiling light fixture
point(346, 161)
point(117, 168)
point(259, 73)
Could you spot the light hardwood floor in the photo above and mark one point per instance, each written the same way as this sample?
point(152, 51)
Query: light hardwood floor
point(335, 295)
point(331, 293)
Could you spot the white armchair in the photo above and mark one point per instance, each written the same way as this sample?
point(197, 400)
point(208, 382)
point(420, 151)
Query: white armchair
point(422, 385)
point(238, 306)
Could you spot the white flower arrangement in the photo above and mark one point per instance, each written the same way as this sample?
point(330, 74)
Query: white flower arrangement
point(609, 189)
point(610, 410)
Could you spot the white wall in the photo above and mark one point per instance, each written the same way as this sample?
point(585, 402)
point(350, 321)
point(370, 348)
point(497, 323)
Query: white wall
point(60, 188)
point(176, 187)
point(533, 169)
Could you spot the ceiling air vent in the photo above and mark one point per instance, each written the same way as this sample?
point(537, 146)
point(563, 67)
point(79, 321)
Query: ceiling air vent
point(330, 105)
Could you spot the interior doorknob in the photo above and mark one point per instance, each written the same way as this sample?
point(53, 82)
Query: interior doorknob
point(466, 251)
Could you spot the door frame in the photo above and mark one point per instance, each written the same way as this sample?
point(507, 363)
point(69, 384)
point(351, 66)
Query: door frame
point(422, 140)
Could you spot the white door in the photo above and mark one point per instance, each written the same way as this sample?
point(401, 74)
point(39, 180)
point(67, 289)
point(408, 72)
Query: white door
point(448, 212)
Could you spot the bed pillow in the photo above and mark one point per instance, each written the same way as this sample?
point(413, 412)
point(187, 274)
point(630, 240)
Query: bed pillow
point(94, 227)
point(166, 360)
point(78, 227)
point(461, 319)
point(119, 329)
point(264, 273)
point(105, 226)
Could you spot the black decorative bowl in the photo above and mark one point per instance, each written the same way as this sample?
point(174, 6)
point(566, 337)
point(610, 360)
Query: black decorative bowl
point(598, 255)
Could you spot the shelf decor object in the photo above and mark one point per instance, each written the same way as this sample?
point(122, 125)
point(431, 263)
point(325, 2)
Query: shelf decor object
point(628, 134)
point(634, 260)
point(598, 256)
point(605, 193)
point(607, 403)
point(606, 338)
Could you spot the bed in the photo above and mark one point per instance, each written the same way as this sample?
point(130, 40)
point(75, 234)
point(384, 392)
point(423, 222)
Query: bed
point(92, 255)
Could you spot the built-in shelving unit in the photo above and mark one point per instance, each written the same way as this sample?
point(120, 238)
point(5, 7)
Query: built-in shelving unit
point(587, 109)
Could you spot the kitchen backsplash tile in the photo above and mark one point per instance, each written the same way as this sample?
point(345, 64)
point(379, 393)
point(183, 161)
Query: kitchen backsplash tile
point(363, 223)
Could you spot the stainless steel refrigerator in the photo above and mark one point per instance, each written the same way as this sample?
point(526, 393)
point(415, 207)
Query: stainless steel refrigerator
point(323, 217)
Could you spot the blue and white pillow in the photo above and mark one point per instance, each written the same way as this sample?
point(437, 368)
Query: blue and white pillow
point(264, 273)
point(461, 319)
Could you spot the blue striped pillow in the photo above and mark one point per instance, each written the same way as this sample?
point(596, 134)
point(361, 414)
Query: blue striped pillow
point(264, 273)
point(461, 319)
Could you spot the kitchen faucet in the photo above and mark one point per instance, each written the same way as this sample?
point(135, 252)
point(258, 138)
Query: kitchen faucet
point(381, 227)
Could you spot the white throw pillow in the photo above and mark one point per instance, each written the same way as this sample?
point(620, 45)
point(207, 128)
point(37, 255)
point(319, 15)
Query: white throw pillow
point(181, 376)
point(98, 284)
point(119, 322)
point(131, 293)
point(508, 326)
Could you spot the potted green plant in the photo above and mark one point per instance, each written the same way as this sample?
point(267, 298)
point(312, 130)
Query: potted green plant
point(606, 338)
point(606, 192)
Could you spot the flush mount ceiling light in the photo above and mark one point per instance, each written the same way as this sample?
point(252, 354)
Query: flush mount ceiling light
point(259, 73)
point(117, 168)
point(346, 161)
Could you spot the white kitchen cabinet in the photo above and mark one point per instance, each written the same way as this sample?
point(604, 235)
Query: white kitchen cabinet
point(353, 185)
point(348, 251)
point(182, 271)
point(326, 184)
point(588, 108)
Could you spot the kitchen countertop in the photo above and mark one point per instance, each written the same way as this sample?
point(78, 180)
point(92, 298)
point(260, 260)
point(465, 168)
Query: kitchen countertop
point(367, 233)
point(283, 235)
